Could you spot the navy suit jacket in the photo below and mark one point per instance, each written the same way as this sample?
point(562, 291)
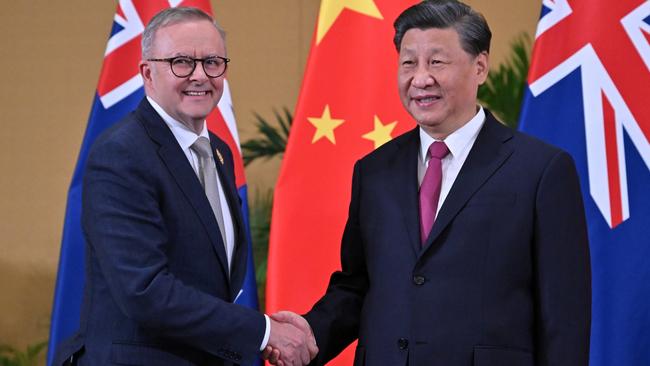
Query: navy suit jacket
point(502, 280)
point(158, 290)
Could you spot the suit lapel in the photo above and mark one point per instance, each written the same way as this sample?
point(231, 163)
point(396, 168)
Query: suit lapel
point(178, 166)
point(227, 178)
point(487, 155)
point(404, 177)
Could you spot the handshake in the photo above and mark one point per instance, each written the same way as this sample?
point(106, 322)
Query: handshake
point(291, 342)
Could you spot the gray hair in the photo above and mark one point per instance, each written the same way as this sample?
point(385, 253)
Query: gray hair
point(472, 28)
point(173, 16)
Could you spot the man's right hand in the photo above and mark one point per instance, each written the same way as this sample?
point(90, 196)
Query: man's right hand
point(291, 341)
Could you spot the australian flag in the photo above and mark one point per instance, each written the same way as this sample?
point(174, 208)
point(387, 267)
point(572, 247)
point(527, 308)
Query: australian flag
point(119, 91)
point(588, 92)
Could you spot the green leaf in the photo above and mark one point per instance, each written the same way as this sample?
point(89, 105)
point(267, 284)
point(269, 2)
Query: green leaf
point(273, 138)
point(10, 356)
point(34, 350)
point(504, 88)
point(260, 223)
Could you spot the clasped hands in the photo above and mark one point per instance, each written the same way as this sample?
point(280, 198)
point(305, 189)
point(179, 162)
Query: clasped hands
point(291, 342)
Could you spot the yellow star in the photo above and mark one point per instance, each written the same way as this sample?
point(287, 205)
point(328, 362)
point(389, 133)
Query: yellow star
point(331, 9)
point(381, 134)
point(325, 126)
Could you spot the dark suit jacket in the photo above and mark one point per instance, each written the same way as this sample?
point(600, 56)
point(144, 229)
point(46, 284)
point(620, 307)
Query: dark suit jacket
point(502, 280)
point(158, 291)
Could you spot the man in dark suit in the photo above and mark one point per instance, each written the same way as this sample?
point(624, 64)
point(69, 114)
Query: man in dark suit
point(466, 241)
point(166, 244)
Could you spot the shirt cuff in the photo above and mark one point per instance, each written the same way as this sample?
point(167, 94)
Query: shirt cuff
point(267, 332)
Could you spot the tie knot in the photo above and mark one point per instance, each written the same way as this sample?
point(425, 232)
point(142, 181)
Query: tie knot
point(202, 147)
point(438, 150)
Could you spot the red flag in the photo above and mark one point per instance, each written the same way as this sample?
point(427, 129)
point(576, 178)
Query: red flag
point(348, 106)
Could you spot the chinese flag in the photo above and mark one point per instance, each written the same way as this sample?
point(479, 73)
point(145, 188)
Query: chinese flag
point(347, 107)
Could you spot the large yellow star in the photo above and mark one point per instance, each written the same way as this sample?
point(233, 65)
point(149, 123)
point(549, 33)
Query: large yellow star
point(325, 126)
point(381, 134)
point(331, 9)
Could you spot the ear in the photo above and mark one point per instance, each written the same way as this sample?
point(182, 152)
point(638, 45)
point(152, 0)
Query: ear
point(145, 72)
point(482, 63)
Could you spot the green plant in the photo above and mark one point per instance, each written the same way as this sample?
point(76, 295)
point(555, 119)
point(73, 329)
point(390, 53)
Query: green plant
point(260, 223)
point(272, 140)
point(9, 356)
point(504, 88)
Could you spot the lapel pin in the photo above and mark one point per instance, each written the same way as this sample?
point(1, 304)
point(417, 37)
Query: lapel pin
point(219, 155)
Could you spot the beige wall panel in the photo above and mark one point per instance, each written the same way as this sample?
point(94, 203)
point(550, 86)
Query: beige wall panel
point(50, 56)
point(507, 19)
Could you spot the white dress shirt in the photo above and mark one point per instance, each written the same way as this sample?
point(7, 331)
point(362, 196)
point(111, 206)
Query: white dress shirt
point(459, 143)
point(185, 138)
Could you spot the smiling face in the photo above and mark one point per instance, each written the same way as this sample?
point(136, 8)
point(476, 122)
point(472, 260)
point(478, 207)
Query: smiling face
point(438, 80)
point(188, 100)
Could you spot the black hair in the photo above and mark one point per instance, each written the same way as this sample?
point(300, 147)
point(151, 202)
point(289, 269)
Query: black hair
point(472, 28)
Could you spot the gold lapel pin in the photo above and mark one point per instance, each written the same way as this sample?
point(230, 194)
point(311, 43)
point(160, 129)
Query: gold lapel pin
point(219, 156)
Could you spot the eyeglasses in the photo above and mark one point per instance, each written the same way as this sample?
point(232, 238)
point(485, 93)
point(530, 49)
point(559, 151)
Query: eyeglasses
point(183, 66)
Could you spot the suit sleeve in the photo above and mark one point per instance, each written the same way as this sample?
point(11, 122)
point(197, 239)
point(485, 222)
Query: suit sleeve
point(335, 317)
point(562, 267)
point(127, 234)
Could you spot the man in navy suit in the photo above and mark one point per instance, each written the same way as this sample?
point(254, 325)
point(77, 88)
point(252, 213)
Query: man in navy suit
point(466, 241)
point(166, 244)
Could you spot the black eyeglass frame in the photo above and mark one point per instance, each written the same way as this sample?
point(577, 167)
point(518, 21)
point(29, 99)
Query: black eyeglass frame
point(171, 60)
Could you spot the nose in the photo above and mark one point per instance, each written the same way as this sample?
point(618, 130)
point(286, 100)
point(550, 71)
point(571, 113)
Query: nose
point(422, 77)
point(199, 72)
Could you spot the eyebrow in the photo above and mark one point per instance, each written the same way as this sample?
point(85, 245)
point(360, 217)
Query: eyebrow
point(181, 54)
point(432, 51)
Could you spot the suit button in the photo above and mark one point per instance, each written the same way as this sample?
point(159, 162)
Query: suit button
point(418, 280)
point(403, 343)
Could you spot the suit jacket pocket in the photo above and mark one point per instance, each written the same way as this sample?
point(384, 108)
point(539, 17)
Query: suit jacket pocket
point(144, 355)
point(360, 356)
point(502, 356)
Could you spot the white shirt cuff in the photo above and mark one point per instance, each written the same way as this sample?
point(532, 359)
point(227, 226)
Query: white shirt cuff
point(267, 332)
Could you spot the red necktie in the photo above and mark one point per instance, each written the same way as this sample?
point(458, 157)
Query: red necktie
point(430, 188)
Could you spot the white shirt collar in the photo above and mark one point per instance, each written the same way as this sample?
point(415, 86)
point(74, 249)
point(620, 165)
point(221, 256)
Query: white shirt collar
point(457, 141)
point(182, 133)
